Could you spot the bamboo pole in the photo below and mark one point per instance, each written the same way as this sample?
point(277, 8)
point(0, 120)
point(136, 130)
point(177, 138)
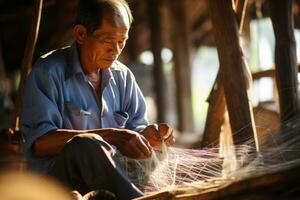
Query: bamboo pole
point(26, 65)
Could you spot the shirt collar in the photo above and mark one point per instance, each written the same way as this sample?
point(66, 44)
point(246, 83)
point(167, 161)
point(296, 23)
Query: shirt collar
point(74, 66)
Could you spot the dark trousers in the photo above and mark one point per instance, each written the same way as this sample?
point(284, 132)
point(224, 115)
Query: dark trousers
point(88, 164)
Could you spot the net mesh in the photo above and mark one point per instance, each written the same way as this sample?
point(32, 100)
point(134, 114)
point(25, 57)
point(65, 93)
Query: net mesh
point(203, 168)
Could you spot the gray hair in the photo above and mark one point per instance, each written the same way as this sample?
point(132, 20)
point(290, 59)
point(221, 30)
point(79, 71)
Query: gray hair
point(90, 12)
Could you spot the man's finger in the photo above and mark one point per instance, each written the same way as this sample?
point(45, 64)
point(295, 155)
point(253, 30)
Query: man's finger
point(170, 140)
point(165, 130)
point(144, 146)
point(147, 143)
point(135, 151)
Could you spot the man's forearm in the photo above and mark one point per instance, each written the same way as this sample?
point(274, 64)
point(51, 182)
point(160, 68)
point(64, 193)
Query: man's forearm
point(52, 143)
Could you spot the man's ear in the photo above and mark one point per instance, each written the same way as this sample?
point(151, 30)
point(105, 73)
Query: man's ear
point(80, 33)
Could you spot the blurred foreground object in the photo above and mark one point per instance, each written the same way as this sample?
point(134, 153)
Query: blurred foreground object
point(20, 186)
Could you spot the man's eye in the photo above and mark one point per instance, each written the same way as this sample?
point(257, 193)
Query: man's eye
point(107, 41)
point(101, 40)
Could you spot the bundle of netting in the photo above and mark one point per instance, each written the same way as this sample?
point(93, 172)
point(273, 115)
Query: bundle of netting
point(213, 167)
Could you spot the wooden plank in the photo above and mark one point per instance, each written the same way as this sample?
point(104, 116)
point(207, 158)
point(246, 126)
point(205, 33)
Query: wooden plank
point(156, 42)
point(233, 71)
point(182, 66)
point(285, 58)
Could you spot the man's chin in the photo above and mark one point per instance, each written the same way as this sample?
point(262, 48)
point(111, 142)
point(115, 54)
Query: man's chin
point(106, 64)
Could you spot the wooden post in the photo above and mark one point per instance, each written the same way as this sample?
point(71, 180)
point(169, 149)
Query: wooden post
point(216, 99)
point(2, 67)
point(285, 58)
point(26, 65)
point(132, 48)
point(215, 115)
point(156, 48)
point(233, 71)
point(182, 66)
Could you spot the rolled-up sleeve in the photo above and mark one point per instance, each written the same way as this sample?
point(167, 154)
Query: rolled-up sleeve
point(39, 113)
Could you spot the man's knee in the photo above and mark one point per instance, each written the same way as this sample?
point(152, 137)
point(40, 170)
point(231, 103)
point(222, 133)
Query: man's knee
point(83, 146)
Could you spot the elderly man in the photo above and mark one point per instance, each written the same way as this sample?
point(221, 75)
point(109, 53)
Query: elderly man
point(80, 104)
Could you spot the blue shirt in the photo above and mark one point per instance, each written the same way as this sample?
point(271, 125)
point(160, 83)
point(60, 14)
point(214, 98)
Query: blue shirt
point(58, 94)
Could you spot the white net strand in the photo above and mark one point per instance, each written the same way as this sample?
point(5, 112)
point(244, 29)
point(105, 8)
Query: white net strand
point(206, 168)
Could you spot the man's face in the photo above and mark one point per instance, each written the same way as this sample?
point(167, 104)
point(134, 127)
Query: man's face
point(101, 48)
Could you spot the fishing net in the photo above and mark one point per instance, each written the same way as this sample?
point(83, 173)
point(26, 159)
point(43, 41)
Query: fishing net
point(203, 168)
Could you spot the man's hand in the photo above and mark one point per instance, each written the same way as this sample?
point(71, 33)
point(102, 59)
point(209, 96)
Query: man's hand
point(133, 145)
point(157, 134)
point(129, 143)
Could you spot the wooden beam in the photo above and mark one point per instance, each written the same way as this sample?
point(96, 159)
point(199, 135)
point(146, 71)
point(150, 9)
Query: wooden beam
point(194, 9)
point(267, 73)
point(182, 66)
point(156, 43)
point(26, 65)
point(202, 33)
point(205, 39)
point(217, 102)
point(285, 58)
point(215, 115)
point(233, 71)
point(216, 109)
point(198, 23)
point(261, 74)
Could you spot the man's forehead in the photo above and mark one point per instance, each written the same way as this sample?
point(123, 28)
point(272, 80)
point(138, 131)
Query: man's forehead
point(109, 28)
point(116, 18)
point(110, 34)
